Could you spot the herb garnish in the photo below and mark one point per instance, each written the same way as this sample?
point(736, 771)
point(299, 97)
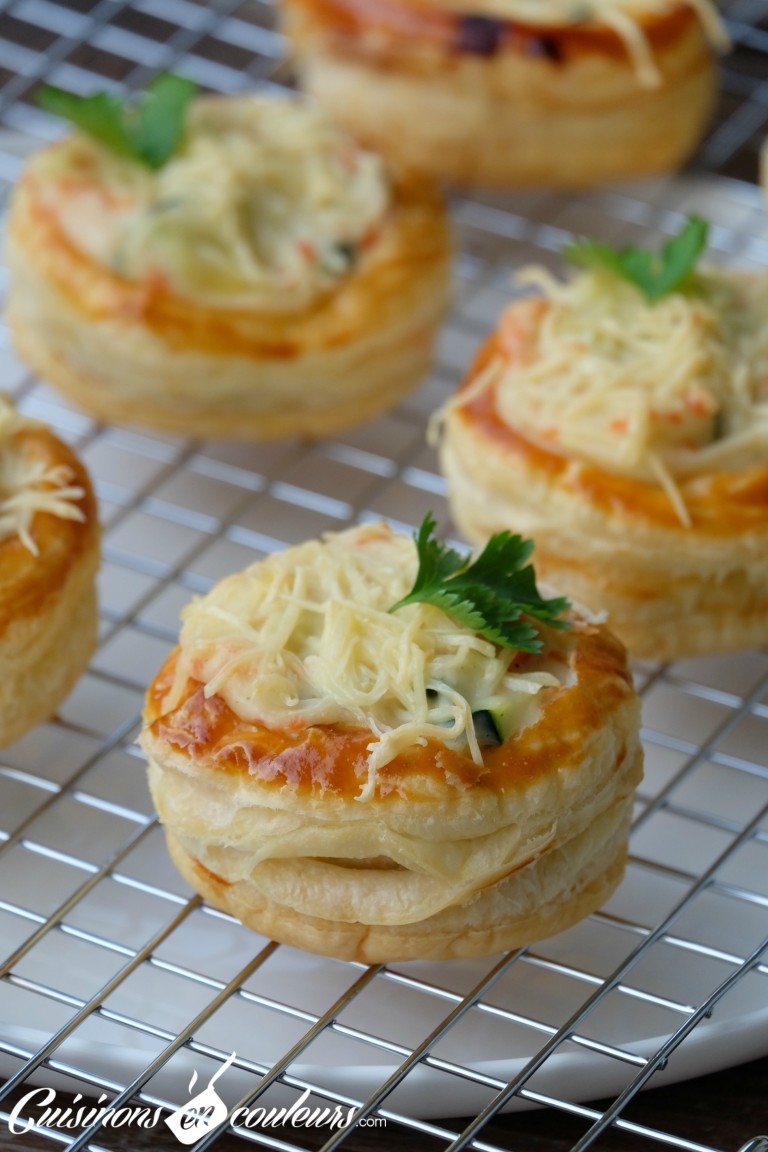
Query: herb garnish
point(654, 273)
point(495, 594)
point(147, 128)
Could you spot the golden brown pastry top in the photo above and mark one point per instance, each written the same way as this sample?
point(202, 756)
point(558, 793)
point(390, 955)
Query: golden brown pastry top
point(328, 762)
point(721, 504)
point(47, 514)
point(557, 32)
point(294, 675)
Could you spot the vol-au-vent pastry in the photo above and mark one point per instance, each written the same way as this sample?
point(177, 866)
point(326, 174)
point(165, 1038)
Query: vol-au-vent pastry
point(621, 418)
point(262, 276)
point(513, 93)
point(49, 554)
point(348, 768)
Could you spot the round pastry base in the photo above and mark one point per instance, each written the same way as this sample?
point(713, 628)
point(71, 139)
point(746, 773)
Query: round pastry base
point(372, 385)
point(490, 922)
point(669, 592)
point(511, 118)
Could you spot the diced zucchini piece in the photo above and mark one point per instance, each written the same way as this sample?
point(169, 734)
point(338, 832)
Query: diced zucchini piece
point(487, 733)
point(503, 714)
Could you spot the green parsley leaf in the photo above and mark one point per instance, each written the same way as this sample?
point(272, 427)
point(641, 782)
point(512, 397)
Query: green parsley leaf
point(654, 273)
point(495, 594)
point(147, 129)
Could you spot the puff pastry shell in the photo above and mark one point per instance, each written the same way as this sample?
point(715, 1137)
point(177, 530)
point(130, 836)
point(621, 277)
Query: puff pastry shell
point(472, 97)
point(447, 858)
point(48, 612)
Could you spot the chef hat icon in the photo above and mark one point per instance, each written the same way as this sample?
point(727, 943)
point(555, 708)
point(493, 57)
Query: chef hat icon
point(202, 1113)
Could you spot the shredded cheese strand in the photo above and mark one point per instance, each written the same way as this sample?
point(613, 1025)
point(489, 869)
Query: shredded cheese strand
point(667, 482)
point(28, 486)
point(636, 44)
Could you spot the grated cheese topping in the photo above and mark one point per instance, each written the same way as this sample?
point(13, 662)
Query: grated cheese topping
point(265, 204)
point(651, 391)
point(627, 18)
point(304, 637)
point(28, 485)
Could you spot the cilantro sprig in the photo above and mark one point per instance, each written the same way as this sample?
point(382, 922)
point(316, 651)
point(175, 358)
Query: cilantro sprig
point(146, 128)
point(654, 273)
point(495, 594)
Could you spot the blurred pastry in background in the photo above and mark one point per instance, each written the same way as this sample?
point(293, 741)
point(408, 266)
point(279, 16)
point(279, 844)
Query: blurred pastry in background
point(223, 266)
point(49, 555)
point(621, 418)
point(377, 749)
point(514, 93)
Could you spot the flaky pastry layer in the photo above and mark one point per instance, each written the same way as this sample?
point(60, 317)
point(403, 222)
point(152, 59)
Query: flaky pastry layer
point(48, 610)
point(139, 353)
point(554, 106)
point(541, 900)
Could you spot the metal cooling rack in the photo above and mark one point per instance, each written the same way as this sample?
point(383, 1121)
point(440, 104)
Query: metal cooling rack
point(113, 978)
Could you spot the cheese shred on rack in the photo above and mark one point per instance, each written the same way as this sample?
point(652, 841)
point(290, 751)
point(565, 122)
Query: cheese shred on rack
point(28, 485)
point(305, 637)
point(651, 391)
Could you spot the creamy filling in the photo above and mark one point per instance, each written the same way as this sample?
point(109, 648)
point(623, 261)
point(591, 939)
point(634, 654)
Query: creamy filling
point(305, 637)
point(265, 204)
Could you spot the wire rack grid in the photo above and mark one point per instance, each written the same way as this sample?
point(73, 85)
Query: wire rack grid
point(116, 982)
